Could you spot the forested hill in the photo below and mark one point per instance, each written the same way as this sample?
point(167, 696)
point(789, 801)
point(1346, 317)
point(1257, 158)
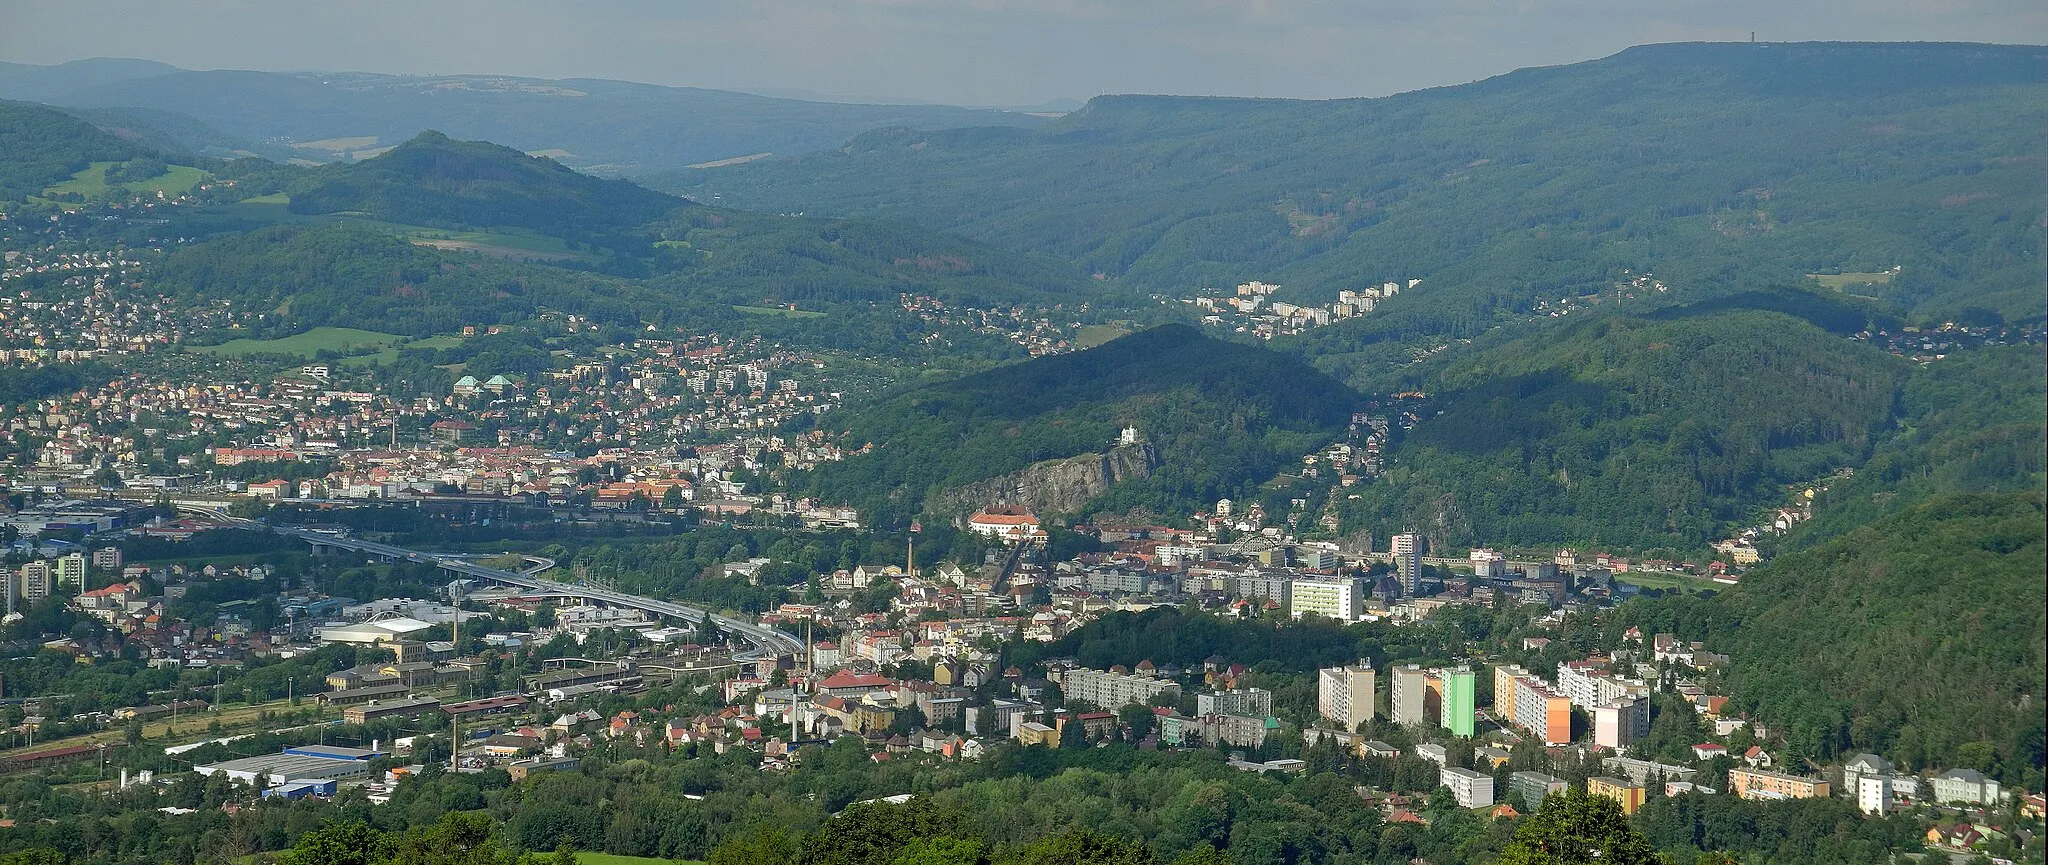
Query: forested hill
point(1221, 418)
point(1919, 637)
point(1712, 165)
point(345, 276)
point(1972, 422)
point(44, 146)
point(438, 181)
point(1639, 432)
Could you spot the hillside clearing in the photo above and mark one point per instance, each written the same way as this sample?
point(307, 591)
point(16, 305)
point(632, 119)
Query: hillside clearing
point(91, 182)
point(342, 340)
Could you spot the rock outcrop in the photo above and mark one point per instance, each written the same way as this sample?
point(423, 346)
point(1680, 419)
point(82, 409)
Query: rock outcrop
point(1060, 486)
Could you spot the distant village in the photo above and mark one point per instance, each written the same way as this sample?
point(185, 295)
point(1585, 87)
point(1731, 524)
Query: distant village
point(1251, 308)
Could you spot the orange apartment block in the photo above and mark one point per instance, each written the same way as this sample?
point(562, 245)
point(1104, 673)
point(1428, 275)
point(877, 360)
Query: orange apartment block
point(1629, 793)
point(1529, 703)
point(1504, 677)
point(1758, 784)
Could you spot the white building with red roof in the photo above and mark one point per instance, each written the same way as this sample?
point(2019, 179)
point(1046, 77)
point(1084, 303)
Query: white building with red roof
point(1011, 524)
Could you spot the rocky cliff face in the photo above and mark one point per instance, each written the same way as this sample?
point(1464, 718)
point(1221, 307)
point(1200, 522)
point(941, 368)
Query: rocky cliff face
point(1054, 486)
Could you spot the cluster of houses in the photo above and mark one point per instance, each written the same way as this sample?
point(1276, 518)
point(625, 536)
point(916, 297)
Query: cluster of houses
point(1250, 308)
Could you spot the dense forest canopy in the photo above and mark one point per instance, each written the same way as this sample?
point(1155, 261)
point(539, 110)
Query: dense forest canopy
point(1920, 637)
point(1639, 432)
point(310, 276)
point(1972, 422)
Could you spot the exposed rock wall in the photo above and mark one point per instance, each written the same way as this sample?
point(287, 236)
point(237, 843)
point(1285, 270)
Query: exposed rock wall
point(1054, 486)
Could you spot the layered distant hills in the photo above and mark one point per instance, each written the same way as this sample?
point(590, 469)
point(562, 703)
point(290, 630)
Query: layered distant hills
point(616, 127)
point(1653, 290)
point(1563, 409)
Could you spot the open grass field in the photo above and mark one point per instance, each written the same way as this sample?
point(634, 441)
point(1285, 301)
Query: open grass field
point(91, 182)
point(770, 310)
point(510, 243)
point(362, 348)
point(1097, 334)
point(1840, 281)
point(341, 340)
point(583, 858)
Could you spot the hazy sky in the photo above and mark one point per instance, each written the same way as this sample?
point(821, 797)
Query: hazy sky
point(1007, 52)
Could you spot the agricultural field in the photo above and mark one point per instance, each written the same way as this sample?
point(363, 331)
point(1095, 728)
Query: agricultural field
point(770, 310)
point(1097, 334)
point(1842, 281)
point(91, 182)
point(586, 858)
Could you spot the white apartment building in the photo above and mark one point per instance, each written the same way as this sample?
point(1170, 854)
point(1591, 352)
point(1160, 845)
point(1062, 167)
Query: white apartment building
point(1345, 694)
point(1617, 724)
point(1340, 599)
point(1111, 691)
point(1257, 702)
point(37, 580)
point(1410, 694)
point(1873, 793)
point(1408, 561)
point(1473, 789)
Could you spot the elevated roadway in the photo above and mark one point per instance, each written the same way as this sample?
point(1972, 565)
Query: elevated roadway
point(766, 641)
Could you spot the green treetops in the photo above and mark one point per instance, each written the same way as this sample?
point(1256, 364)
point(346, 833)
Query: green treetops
point(1577, 827)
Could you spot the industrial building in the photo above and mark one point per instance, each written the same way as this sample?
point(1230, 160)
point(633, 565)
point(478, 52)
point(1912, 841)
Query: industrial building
point(303, 763)
point(374, 710)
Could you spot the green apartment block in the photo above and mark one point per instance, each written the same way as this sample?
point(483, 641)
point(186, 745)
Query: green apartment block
point(1460, 699)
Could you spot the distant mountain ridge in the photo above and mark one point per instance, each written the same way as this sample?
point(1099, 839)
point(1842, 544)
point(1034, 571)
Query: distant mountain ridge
point(612, 127)
point(1725, 165)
